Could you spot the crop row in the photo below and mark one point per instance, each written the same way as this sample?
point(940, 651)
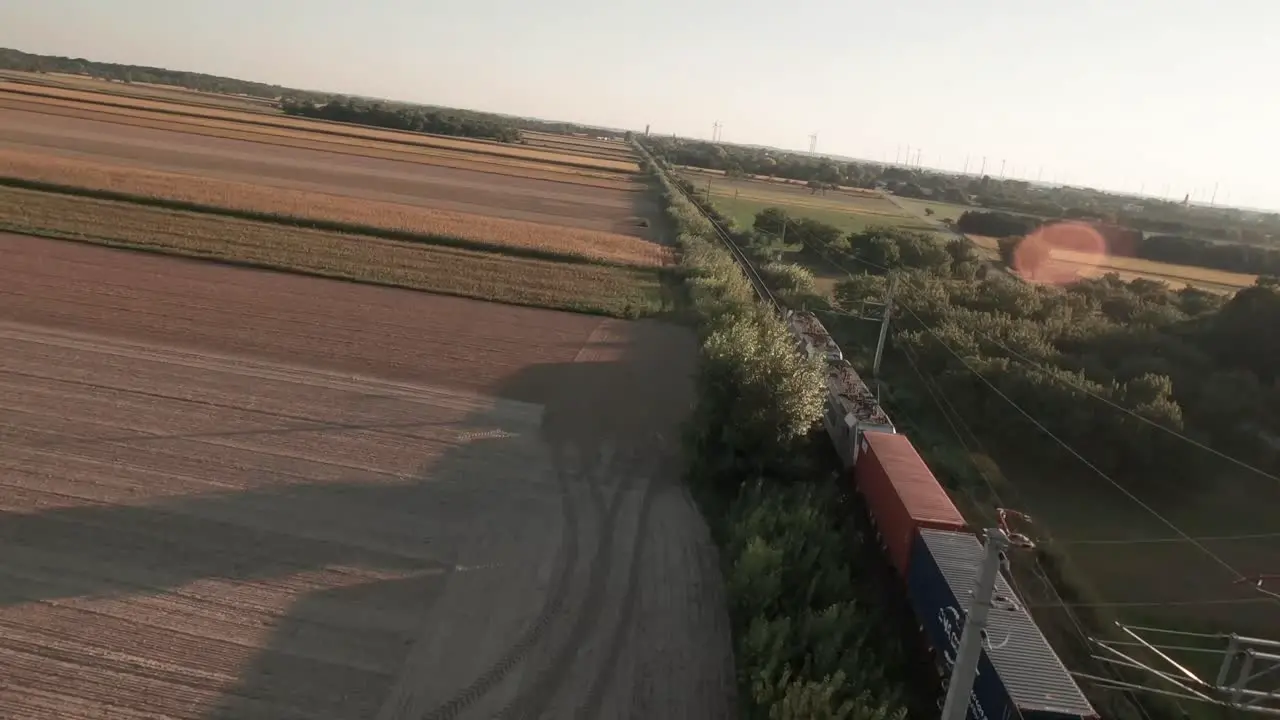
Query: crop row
point(271, 124)
point(581, 287)
point(304, 207)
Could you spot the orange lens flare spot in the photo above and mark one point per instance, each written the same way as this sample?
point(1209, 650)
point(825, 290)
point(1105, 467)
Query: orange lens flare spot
point(1060, 253)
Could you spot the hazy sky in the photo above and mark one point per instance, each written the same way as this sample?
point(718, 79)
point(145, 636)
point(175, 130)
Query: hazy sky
point(1115, 93)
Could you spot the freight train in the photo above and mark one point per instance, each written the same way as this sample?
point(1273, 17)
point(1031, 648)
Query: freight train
point(934, 552)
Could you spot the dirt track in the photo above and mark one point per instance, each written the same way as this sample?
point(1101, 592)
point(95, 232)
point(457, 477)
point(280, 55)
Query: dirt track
point(246, 495)
point(336, 173)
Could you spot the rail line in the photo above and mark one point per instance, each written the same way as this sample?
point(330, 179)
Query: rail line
point(753, 276)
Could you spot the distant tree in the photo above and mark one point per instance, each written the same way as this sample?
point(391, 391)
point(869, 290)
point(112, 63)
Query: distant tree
point(772, 220)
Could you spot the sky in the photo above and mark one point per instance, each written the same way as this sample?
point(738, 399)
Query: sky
point(1167, 97)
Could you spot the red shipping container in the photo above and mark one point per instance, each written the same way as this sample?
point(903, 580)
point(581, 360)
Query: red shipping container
point(902, 495)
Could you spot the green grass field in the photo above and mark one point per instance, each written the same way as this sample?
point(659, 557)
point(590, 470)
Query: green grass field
point(941, 210)
point(848, 210)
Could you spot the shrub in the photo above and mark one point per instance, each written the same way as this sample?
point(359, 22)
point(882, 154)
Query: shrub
point(808, 642)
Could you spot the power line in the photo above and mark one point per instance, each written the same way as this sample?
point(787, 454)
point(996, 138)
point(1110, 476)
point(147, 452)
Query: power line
point(1142, 541)
point(1037, 569)
point(929, 386)
point(1041, 427)
point(1087, 391)
point(1126, 410)
point(940, 398)
point(1156, 603)
point(1053, 590)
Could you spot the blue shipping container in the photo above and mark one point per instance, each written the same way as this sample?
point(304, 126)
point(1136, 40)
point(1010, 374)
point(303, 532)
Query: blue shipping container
point(1019, 675)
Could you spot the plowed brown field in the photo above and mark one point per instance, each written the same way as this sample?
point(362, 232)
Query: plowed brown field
point(237, 494)
point(298, 204)
point(322, 170)
point(259, 122)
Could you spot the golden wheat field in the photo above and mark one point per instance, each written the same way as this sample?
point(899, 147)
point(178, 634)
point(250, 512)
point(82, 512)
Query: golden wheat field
point(591, 245)
point(490, 164)
point(1086, 265)
point(458, 160)
point(282, 125)
point(150, 91)
point(581, 287)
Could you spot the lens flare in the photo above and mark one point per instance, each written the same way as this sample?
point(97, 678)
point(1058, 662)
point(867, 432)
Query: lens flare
point(1060, 253)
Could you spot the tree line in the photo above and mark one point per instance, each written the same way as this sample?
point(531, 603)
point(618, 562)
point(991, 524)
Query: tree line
point(1149, 215)
point(1190, 360)
point(1128, 242)
point(449, 118)
point(27, 62)
point(1198, 363)
point(811, 626)
point(407, 118)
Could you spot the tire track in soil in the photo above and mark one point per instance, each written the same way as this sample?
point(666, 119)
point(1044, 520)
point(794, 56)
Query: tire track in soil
point(590, 709)
point(534, 702)
point(551, 609)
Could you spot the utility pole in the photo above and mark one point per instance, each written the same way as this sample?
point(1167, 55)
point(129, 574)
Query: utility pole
point(983, 171)
point(960, 687)
point(966, 166)
point(884, 324)
point(1002, 162)
point(1214, 199)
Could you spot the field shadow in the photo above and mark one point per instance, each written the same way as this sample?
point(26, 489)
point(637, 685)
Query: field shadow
point(648, 219)
point(342, 651)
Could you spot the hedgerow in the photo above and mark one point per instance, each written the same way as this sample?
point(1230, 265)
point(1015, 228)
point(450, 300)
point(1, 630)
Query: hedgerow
point(809, 639)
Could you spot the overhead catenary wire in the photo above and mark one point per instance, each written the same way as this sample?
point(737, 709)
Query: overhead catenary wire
point(767, 295)
point(1156, 603)
point(930, 385)
point(1058, 377)
point(1126, 688)
point(1127, 411)
point(940, 399)
point(748, 269)
point(1236, 574)
point(1153, 541)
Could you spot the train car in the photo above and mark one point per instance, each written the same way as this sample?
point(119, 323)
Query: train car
point(1019, 674)
point(901, 494)
point(851, 411)
point(812, 337)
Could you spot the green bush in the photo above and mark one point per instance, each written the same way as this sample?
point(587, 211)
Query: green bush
point(807, 633)
point(809, 642)
point(788, 278)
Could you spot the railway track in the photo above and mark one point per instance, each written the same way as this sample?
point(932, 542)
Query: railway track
point(739, 256)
